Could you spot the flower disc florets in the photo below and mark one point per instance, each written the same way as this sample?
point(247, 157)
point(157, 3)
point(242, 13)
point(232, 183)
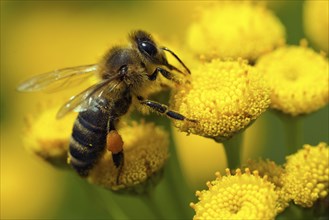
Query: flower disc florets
point(224, 97)
point(307, 174)
point(298, 78)
point(239, 196)
point(235, 29)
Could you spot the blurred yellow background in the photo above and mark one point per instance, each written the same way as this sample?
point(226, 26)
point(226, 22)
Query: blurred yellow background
point(40, 36)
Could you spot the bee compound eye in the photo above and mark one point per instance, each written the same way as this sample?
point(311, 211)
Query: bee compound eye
point(148, 47)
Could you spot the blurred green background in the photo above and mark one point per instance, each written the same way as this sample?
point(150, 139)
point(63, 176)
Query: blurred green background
point(38, 36)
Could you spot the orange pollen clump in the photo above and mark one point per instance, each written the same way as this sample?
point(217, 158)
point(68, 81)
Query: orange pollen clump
point(114, 142)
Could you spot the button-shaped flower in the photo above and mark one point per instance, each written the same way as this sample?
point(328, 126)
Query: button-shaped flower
point(224, 97)
point(298, 78)
point(235, 29)
point(307, 174)
point(239, 196)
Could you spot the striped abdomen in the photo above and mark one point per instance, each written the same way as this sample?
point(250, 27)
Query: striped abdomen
point(88, 138)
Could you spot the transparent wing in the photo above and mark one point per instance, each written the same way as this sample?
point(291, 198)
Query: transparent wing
point(57, 79)
point(83, 100)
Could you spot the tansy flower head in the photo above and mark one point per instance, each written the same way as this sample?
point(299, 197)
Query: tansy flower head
point(224, 97)
point(146, 150)
point(48, 137)
point(235, 29)
point(239, 196)
point(269, 168)
point(316, 22)
point(274, 174)
point(307, 174)
point(298, 78)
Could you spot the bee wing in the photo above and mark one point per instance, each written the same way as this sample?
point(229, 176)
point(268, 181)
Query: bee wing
point(83, 100)
point(57, 79)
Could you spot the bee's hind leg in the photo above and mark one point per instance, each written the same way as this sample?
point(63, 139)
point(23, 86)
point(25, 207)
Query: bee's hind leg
point(114, 144)
point(118, 160)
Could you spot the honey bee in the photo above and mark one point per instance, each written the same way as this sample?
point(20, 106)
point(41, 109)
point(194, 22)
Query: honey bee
point(125, 72)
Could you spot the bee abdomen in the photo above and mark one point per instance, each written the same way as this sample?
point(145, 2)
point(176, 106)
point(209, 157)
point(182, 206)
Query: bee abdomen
point(88, 140)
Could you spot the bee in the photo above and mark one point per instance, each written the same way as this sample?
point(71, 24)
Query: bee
point(125, 72)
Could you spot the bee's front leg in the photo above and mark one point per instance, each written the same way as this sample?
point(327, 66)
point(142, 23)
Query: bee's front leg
point(163, 109)
point(164, 73)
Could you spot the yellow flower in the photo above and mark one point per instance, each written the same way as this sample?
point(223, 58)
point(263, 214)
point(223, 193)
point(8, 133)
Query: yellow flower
point(146, 150)
point(48, 137)
point(239, 196)
point(274, 174)
point(267, 167)
point(298, 78)
point(223, 96)
point(307, 174)
point(235, 29)
point(316, 22)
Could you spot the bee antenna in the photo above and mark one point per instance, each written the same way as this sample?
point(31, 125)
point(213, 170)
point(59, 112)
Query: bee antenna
point(179, 60)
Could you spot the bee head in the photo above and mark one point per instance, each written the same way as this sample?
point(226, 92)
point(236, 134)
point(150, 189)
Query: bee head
point(150, 52)
point(147, 47)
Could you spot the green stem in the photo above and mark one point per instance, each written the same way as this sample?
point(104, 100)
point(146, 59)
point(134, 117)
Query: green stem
point(298, 212)
point(102, 198)
point(293, 212)
point(176, 181)
point(233, 151)
point(107, 200)
point(169, 198)
point(293, 133)
point(149, 200)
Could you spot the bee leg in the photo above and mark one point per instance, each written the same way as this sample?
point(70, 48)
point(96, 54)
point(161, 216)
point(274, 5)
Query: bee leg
point(163, 109)
point(118, 160)
point(165, 73)
point(114, 144)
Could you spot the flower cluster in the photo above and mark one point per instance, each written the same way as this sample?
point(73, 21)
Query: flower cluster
point(304, 179)
point(224, 97)
point(239, 196)
point(307, 174)
point(298, 78)
point(252, 31)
